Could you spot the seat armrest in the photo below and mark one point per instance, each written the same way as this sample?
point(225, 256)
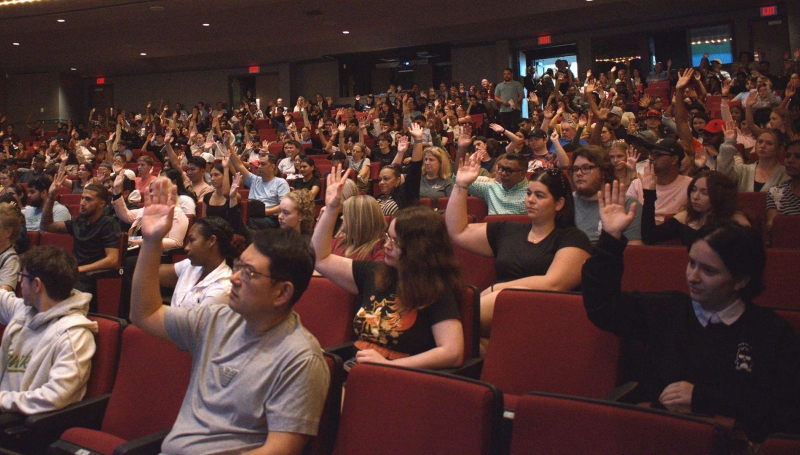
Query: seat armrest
point(629, 392)
point(344, 350)
point(470, 369)
point(116, 272)
point(87, 414)
point(11, 419)
point(146, 445)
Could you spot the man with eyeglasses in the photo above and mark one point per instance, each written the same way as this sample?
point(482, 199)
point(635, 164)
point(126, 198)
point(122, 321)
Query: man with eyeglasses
point(670, 186)
point(259, 379)
point(48, 343)
point(591, 171)
point(504, 195)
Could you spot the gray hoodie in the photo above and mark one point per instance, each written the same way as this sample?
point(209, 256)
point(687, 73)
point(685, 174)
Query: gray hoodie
point(46, 357)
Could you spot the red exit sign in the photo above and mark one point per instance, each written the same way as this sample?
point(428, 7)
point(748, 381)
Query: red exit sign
point(254, 69)
point(101, 80)
point(769, 11)
point(546, 39)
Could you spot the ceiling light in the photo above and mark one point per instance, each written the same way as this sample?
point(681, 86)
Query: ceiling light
point(15, 44)
point(14, 2)
point(142, 54)
point(346, 32)
point(206, 25)
point(61, 20)
point(73, 69)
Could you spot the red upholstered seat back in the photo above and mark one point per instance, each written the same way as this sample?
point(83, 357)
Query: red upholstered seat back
point(106, 355)
point(477, 270)
point(152, 379)
point(543, 341)
point(780, 444)
point(780, 278)
point(64, 241)
point(469, 309)
point(425, 413)
point(655, 268)
point(327, 311)
point(546, 424)
point(785, 232)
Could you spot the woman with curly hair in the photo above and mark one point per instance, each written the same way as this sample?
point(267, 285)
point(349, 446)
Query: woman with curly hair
point(408, 313)
point(297, 212)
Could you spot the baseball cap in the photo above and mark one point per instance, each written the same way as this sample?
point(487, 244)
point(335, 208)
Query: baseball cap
point(653, 113)
point(670, 145)
point(616, 110)
point(538, 132)
point(337, 156)
point(643, 139)
point(715, 126)
point(716, 60)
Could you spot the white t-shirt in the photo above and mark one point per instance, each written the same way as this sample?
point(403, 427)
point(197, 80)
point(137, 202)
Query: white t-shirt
point(189, 291)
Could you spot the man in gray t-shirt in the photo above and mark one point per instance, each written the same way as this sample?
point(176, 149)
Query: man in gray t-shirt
point(508, 95)
point(37, 193)
point(590, 172)
point(259, 379)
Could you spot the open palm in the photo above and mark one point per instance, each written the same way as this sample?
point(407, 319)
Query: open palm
point(159, 207)
point(613, 216)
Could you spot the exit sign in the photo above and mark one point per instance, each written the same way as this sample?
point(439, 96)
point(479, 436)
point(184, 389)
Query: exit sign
point(101, 80)
point(769, 11)
point(544, 39)
point(254, 69)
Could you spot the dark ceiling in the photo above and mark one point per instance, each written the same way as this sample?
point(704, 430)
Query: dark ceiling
point(106, 37)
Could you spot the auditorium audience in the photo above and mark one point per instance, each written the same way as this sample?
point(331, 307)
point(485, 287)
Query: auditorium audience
point(544, 254)
point(784, 199)
point(416, 287)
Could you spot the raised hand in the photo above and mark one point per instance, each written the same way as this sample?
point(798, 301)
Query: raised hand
point(167, 135)
point(602, 115)
point(633, 158)
point(333, 191)
point(118, 181)
point(160, 198)
point(416, 131)
point(465, 138)
point(554, 136)
point(342, 127)
point(402, 145)
point(685, 79)
point(613, 216)
point(496, 128)
point(726, 87)
point(582, 121)
point(729, 130)
point(58, 180)
point(237, 182)
point(648, 178)
point(644, 102)
point(226, 159)
point(548, 112)
point(751, 99)
point(64, 156)
point(468, 171)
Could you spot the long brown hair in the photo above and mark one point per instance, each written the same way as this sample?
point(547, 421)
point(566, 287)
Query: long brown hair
point(721, 194)
point(427, 267)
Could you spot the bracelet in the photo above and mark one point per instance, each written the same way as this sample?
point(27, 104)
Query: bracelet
point(462, 187)
point(492, 289)
point(116, 196)
point(504, 131)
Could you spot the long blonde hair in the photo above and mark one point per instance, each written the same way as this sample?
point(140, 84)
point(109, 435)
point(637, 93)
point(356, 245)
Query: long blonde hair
point(364, 226)
point(445, 169)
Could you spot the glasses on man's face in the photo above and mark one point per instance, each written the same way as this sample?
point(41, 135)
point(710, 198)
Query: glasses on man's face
point(392, 242)
point(585, 169)
point(21, 275)
point(654, 154)
point(508, 170)
point(246, 272)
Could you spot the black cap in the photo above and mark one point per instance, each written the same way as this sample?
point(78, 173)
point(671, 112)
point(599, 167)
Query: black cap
point(670, 145)
point(538, 132)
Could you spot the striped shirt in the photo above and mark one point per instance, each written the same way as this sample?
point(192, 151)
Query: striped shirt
point(501, 201)
point(782, 199)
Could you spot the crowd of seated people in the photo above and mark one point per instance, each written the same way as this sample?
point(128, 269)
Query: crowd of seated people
point(599, 163)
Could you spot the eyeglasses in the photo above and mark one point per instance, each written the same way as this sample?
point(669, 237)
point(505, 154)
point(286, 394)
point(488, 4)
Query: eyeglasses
point(392, 242)
point(585, 169)
point(508, 170)
point(654, 155)
point(21, 275)
point(246, 272)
